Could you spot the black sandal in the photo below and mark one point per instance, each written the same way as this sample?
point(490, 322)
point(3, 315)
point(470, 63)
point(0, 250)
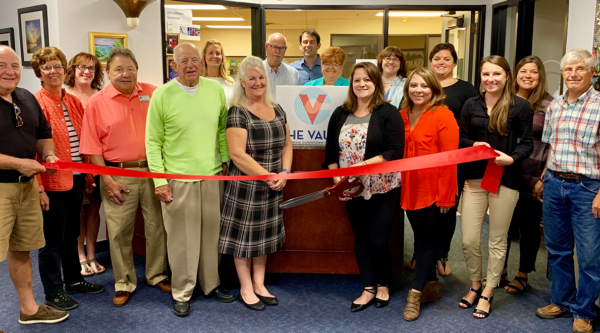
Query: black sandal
point(468, 304)
point(381, 303)
point(444, 262)
point(523, 281)
point(481, 312)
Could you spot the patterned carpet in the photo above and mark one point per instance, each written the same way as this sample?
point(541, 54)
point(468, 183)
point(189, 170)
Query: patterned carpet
point(308, 303)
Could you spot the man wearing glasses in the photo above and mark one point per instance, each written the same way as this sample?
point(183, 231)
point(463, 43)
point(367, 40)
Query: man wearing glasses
point(571, 197)
point(24, 132)
point(113, 131)
point(309, 67)
point(279, 72)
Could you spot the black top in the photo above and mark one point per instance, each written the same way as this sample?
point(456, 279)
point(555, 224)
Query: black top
point(21, 141)
point(518, 143)
point(456, 96)
point(385, 135)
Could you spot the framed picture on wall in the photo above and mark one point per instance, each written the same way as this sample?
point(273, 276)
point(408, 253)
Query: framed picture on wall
point(172, 72)
point(33, 31)
point(101, 43)
point(172, 41)
point(7, 37)
point(415, 58)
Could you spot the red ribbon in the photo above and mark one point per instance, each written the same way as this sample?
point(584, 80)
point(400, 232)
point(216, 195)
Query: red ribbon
point(422, 162)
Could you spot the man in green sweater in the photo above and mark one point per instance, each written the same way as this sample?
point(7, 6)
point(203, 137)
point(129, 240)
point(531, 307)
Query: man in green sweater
point(185, 134)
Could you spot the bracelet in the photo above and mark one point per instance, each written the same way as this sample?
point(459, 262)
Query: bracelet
point(45, 157)
point(285, 170)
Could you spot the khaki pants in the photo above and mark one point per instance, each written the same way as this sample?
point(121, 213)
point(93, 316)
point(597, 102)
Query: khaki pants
point(120, 221)
point(192, 221)
point(21, 222)
point(474, 207)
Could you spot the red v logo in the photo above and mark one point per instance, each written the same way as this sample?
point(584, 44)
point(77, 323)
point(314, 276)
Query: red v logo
point(312, 110)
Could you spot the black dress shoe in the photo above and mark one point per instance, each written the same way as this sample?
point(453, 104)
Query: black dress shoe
point(359, 307)
point(258, 306)
point(268, 300)
point(181, 309)
point(222, 295)
point(380, 303)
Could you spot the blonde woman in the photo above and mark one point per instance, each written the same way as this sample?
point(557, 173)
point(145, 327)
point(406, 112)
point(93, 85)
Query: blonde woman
point(498, 119)
point(214, 59)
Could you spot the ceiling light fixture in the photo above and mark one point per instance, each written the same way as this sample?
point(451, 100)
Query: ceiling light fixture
point(229, 26)
point(414, 14)
point(200, 7)
point(220, 19)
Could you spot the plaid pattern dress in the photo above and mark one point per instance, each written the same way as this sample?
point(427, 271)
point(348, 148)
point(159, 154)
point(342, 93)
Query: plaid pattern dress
point(252, 222)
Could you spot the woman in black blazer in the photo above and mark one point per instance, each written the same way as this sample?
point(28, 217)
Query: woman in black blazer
point(366, 130)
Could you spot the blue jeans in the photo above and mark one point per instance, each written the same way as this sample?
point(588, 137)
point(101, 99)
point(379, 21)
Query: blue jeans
point(568, 222)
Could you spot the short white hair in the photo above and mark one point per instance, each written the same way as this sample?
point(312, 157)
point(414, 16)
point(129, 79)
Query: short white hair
point(577, 55)
point(239, 94)
point(276, 34)
point(185, 43)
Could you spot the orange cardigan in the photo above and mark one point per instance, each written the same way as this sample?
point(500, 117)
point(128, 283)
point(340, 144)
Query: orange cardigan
point(53, 110)
point(436, 131)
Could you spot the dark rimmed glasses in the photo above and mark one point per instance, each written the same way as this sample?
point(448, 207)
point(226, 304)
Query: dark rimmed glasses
point(18, 118)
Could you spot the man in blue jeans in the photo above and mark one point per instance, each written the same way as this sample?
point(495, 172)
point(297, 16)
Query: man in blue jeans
point(570, 188)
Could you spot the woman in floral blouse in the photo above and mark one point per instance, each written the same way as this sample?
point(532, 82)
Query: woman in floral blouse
point(365, 130)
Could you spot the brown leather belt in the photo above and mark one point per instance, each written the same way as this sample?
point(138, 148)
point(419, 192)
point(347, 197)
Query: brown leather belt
point(127, 165)
point(569, 175)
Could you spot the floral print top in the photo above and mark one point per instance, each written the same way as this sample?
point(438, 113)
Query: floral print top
point(352, 143)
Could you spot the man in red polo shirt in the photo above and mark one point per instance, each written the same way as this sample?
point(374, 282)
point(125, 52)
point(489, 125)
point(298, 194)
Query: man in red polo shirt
point(113, 131)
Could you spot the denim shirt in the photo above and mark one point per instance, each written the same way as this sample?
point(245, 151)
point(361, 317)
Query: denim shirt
point(308, 74)
point(396, 92)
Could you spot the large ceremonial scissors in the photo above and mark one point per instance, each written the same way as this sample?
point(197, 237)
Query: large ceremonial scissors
point(340, 189)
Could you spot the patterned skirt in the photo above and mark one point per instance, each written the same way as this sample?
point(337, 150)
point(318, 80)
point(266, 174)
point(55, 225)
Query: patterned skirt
point(251, 222)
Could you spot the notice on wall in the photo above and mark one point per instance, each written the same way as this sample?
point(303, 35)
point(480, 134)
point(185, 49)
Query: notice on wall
point(189, 32)
point(308, 109)
point(176, 17)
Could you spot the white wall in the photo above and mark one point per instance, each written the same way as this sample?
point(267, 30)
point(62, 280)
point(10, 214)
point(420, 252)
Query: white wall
point(580, 31)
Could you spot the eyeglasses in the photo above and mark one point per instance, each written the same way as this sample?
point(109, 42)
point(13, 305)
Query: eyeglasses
point(82, 68)
point(278, 48)
point(392, 59)
point(18, 119)
point(331, 64)
point(578, 70)
point(48, 68)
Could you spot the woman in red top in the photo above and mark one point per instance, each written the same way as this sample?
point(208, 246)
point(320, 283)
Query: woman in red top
point(61, 201)
point(427, 195)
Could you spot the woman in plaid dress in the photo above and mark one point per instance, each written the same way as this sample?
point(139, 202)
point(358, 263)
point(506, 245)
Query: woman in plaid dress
point(259, 144)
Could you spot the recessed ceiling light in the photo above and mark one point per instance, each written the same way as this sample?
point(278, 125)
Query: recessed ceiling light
point(229, 26)
point(214, 19)
point(205, 7)
point(414, 14)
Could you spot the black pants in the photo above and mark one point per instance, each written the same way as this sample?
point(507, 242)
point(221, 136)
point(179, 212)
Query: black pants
point(371, 221)
point(427, 226)
point(526, 217)
point(449, 226)
point(61, 229)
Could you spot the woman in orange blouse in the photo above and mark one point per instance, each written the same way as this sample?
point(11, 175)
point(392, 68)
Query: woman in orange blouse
point(428, 194)
point(61, 194)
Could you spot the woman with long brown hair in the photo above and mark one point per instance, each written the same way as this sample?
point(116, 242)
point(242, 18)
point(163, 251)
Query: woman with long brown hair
point(367, 129)
point(498, 119)
point(530, 83)
point(214, 69)
point(427, 195)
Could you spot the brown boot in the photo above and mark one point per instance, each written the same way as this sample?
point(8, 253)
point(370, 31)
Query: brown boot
point(431, 292)
point(582, 326)
point(413, 306)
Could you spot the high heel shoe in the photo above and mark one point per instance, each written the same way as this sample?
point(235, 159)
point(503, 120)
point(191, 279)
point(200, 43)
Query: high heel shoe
point(469, 304)
point(381, 303)
point(481, 312)
point(359, 307)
